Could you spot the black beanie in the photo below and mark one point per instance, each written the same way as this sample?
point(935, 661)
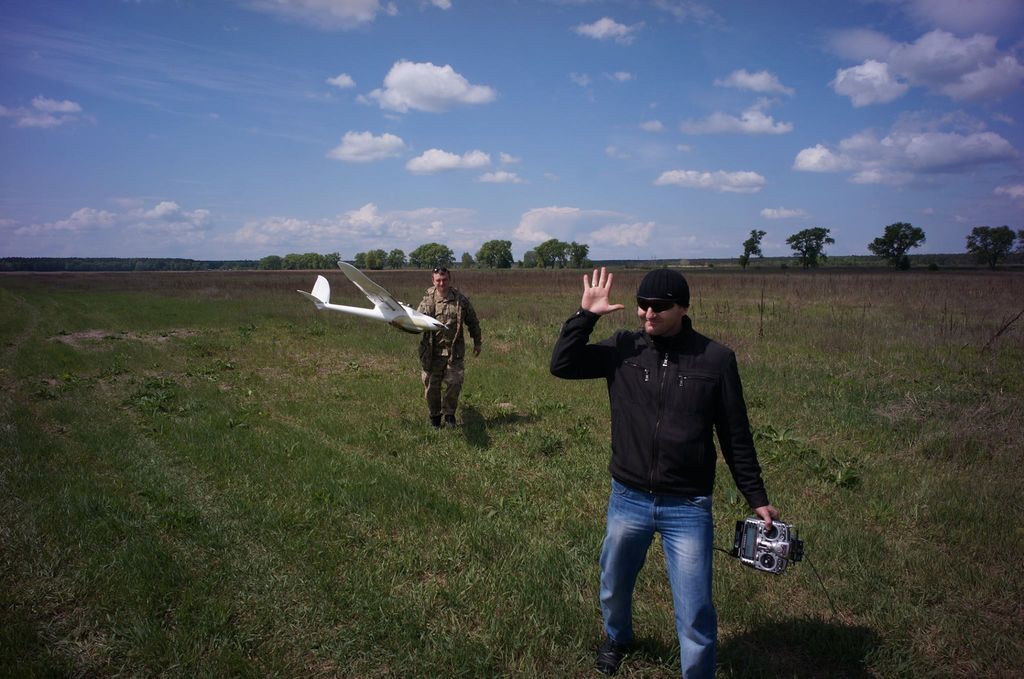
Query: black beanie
point(665, 284)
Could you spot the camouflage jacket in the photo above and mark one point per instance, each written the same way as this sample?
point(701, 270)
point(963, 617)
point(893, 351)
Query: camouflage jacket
point(456, 312)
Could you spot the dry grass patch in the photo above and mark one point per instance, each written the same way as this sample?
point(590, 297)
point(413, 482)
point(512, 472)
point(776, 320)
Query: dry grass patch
point(88, 339)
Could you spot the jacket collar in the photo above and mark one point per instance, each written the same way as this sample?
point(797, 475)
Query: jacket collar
point(674, 342)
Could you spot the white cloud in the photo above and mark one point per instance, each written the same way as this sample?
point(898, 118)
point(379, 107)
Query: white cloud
point(166, 209)
point(1010, 190)
point(540, 224)
point(959, 68)
point(500, 177)
point(869, 83)
point(781, 213)
point(613, 151)
point(54, 106)
point(910, 148)
point(44, 113)
point(322, 14)
point(941, 151)
point(82, 220)
point(128, 203)
point(979, 16)
point(860, 44)
point(366, 216)
point(581, 79)
point(635, 234)
point(426, 87)
point(436, 160)
point(751, 121)
point(609, 29)
point(730, 182)
point(989, 81)
point(652, 126)
point(509, 159)
point(364, 147)
point(620, 76)
point(360, 229)
point(689, 10)
point(342, 81)
point(442, 4)
point(762, 81)
point(968, 68)
point(166, 219)
point(819, 158)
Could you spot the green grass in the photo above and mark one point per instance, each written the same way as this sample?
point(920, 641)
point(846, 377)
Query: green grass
point(201, 476)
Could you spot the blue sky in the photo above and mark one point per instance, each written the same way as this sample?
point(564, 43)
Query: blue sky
point(647, 129)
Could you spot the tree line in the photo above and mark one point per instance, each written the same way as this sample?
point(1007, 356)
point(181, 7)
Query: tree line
point(494, 254)
point(988, 245)
point(122, 264)
point(295, 261)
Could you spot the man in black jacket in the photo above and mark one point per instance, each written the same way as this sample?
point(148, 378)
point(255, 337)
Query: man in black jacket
point(669, 387)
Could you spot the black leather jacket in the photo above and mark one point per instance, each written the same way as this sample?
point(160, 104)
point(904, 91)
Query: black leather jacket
point(666, 396)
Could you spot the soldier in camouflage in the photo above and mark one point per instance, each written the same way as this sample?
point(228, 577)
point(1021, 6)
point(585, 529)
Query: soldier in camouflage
point(442, 352)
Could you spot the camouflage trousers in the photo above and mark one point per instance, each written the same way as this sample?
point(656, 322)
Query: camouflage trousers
point(451, 376)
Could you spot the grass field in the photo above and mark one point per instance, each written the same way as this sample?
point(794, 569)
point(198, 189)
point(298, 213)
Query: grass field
point(202, 476)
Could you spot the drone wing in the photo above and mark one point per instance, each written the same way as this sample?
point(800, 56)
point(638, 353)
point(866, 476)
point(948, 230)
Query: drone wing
point(376, 294)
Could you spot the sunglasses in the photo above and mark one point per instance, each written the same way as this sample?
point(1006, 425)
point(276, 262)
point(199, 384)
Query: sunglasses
point(656, 305)
point(440, 269)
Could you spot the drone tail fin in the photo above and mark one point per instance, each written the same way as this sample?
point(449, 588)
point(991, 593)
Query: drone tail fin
point(321, 294)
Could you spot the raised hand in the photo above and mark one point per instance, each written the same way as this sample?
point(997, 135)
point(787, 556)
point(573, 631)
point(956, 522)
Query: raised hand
point(596, 292)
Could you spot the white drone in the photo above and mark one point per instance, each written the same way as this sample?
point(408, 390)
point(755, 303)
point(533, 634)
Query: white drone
point(385, 307)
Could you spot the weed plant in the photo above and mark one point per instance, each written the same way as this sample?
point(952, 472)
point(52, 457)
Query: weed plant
point(203, 476)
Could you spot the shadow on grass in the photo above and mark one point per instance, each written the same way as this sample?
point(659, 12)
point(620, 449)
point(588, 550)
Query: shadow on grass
point(799, 648)
point(475, 426)
point(23, 651)
point(792, 648)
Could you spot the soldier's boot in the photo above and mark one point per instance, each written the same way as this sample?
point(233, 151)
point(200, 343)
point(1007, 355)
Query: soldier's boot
point(449, 420)
point(435, 421)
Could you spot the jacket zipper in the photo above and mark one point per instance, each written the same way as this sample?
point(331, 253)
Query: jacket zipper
point(655, 452)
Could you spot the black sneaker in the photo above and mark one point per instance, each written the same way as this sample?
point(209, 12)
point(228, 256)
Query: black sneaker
point(610, 655)
point(435, 421)
point(449, 421)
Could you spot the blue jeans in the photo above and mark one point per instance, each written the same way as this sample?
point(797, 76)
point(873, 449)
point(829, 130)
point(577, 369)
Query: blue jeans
point(686, 535)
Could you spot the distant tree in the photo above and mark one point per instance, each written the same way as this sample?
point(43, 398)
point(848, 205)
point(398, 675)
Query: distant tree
point(431, 255)
point(359, 261)
point(895, 241)
point(396, 259)
point(270, 263)
point(752, 247)
point(467, 261)
point(809, 245)
point(989, 244)
point(577, 254)
point(375, 259)
point(530, 259)
point(495, 254)
point(1020, 241)
point(553, 253)
point(309, 260)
